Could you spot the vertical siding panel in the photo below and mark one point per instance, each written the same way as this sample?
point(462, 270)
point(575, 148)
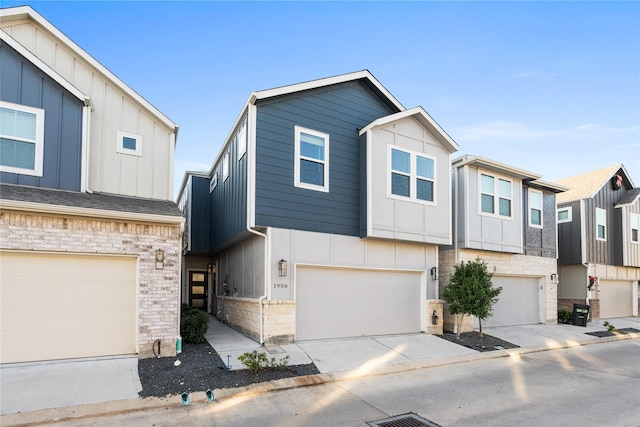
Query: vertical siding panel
point(71, 145)
point(44, 47)
point(111, 124)
point(63, 63)
point(145, 173)
point(96, 161)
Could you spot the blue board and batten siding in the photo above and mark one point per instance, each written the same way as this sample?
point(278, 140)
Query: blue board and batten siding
point(228, 200)
point(339, 111)
point(200, 216)
point(25, 84)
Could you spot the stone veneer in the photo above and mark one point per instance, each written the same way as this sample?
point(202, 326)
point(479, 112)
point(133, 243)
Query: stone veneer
point(505, 264)
point(158, 289)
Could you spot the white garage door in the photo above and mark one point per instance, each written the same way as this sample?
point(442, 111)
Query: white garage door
point(66, 306)
point(518, 302)
point(335, 303)
point(616, 298)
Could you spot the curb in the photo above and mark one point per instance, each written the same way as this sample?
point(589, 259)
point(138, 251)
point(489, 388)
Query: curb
point(96, 410)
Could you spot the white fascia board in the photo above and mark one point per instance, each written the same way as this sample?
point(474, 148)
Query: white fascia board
point(28, 12)
point(557, 188)
point(313, 84)
point(425, 120)
point(231, 133)
point(495, 166)
point(85, 99)
point(87, 212)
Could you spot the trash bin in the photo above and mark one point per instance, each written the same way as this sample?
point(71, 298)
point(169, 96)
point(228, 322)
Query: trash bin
point(580, 314)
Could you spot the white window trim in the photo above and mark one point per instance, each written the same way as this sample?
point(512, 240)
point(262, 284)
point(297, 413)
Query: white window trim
point(120, 144)
point(241, 139)
point(631, 215)
point(39, 141)
point(569, 209)
point(325, 187)
point(225, 166)
point(496, 195)
point(602, 239)
point(213, 183)
point(532, 191)
point(413, 176)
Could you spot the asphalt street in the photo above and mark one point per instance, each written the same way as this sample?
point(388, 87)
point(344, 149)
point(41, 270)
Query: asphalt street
point(590, 385)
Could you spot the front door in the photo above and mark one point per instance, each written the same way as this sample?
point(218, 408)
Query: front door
point(198, 291)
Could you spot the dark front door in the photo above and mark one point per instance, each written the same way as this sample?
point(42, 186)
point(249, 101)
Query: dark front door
point(198, 289)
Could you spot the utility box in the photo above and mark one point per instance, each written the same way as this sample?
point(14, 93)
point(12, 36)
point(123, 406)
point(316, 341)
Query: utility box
point(580, 314)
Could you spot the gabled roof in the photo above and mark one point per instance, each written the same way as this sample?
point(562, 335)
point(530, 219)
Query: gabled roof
point(587, 185)
point(11, 42)
point(327, 81)
point(495, 166)
point(26, 12)
point(364, 75)
point(425, 120)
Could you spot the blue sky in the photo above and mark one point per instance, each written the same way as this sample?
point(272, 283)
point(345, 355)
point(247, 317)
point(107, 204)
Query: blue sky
point(550, 87)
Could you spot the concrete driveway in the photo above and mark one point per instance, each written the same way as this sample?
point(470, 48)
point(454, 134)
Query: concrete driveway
point(57, 384)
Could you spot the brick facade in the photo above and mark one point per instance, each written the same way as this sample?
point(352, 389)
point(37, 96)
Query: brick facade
point(158, 289)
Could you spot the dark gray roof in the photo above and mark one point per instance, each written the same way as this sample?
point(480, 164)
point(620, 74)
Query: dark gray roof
point(629, 197)
point(100, 201)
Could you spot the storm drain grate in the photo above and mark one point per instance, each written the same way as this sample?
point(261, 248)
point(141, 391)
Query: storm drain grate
point(404, 420)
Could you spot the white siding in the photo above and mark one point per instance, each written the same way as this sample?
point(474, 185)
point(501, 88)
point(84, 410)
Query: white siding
point(113, 110)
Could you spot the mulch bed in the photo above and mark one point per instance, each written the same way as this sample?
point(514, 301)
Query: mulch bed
point(621, 331)
point(474, 341)
point(200, 369)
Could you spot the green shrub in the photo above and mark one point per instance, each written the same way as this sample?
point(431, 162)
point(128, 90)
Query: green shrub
point(565, 316)
point(257, 362)
point(193, 325)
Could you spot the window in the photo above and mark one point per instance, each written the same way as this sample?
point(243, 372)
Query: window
point(312, 159)
point(129, 144)
point(225, 166)
point(241, 139)
point(601, 224)
point(213, 183)
point(535, 208)
point(564, 215)
point(412, 175)
point(21, 139)
point(634, 219)
point(495, 195)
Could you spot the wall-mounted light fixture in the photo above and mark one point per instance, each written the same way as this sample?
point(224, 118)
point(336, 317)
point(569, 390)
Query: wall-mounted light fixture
point(282, 268)
point(434, 273)
point(209, 268)
point(554, 278)
point(159, 259)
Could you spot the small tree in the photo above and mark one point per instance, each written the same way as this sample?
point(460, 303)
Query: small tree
point(470, 292)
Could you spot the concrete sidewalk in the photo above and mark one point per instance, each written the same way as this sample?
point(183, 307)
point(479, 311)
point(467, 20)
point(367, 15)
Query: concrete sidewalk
point(74, 386)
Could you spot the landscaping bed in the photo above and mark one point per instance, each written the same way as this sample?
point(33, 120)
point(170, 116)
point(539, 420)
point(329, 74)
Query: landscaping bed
point(201, 369)
point(474, 341)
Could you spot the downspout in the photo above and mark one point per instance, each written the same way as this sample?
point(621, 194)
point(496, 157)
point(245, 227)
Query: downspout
point(456, 202)
point(251, 167)
point(583, 248)
point(86, 134)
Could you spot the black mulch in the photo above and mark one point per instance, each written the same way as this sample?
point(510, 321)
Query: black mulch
point(474, 341)
point(201, 368)
point(607, 333)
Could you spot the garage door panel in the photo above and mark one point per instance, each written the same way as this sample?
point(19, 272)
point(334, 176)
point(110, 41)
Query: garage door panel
point(518, 303)
point(616, 298)
point(332, 303)
point(69, 306)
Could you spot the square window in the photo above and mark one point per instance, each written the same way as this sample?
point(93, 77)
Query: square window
point(311, 169)
point(490, 187)
point(21, 139)
point(412, 175)
point(128, 143)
